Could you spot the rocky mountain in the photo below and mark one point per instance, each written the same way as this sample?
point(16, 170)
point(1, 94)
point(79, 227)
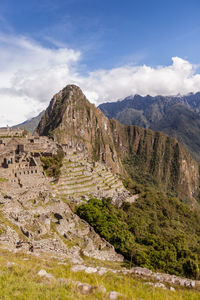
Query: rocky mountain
point(131, 151)
point(176, 116)
point(66, 218)
point(31, 124)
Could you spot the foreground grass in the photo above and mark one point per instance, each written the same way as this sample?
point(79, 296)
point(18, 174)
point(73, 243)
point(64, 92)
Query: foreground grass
point(21, 281)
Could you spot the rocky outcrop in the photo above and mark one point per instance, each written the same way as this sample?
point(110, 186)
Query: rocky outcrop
point(71, 119)
point(142, 273)
point(132, 150)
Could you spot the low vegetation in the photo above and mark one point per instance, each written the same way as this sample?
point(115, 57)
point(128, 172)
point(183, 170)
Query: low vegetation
point(53, 164)
point(20, 281)
point(157, 232)
point(3, 179)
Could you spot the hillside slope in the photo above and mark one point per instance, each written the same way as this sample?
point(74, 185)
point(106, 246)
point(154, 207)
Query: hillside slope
point(128, 150)
point(176, 116)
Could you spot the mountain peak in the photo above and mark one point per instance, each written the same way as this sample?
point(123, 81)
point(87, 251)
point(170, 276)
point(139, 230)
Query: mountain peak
point(75, 123)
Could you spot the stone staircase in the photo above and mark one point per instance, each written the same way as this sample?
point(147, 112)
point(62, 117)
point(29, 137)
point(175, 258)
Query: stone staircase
point(79, 176)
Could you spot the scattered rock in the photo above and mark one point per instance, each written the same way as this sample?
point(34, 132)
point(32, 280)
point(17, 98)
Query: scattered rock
point(148, 283)
point(102, 271)
point(43, 273)
point(76, 261)
point(90, 270)
point(160, 285)
point(85, 288)
point(141, 271)
point(10, 264)
point(113, 295)
point(172, 289)
point(78, 268)
point(162, 277)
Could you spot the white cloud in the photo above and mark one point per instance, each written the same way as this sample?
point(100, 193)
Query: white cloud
point(109, 85)
point(30, 74)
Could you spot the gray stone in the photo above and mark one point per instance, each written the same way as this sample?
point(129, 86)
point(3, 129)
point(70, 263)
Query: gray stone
point(90, 270)
point(78, 268)
point(160, 285)
point(43, 273)
point(113, 295)
point(84, 288)
point(141, 271)
point(10, 264)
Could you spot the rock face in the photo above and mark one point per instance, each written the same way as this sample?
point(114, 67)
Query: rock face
point(71, 119)
point(176, 116)
point(75, 122)
point(155, 155)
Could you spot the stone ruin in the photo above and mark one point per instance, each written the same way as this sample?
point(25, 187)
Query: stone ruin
point(20, 165)
point(12, 132)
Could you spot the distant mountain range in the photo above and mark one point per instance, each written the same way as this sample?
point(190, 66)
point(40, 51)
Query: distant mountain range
point(178, 116)
point(31, 124)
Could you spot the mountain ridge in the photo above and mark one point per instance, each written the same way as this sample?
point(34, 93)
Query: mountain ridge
point(71, 119)
point(176, 116)
point(30, 124)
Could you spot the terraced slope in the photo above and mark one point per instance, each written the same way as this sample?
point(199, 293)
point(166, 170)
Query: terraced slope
point(129, 150)
point(79, 176)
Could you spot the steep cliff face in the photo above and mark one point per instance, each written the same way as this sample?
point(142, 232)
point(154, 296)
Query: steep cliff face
point(141, 153)
point(71, 119)
point(150, 156)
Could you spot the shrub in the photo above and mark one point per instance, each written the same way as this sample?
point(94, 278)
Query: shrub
point(52, 165)
point(149, 232)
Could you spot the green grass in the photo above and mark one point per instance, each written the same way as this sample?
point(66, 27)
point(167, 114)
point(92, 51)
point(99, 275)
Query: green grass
point(3, 179)
point(22, 282)
point(77, 183)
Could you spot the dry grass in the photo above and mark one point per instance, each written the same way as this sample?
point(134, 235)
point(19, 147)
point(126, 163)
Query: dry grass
point(22, 282)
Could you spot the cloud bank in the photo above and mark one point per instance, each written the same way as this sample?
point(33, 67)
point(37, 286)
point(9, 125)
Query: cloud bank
point(30, 74)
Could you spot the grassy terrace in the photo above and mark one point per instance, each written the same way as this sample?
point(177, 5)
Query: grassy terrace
point(74, 187)
point(21, 282)
point(3, 179)
point(76, 182)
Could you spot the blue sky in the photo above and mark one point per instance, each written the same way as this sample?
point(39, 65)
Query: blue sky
point(137, 46)
point(110, 33)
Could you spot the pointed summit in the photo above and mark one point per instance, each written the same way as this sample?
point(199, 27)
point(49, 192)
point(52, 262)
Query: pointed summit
point(72, 120)
point(129, 150)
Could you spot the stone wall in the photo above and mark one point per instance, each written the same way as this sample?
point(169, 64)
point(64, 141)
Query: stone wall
point(11, 132)
point(20, 165)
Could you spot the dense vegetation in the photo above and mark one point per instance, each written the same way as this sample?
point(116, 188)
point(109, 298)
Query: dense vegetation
point(156, 231)
point(53, 164)
point(140, 172)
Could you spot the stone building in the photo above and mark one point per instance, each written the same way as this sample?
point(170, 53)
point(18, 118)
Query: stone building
point(20, 165)
point(11, 132)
